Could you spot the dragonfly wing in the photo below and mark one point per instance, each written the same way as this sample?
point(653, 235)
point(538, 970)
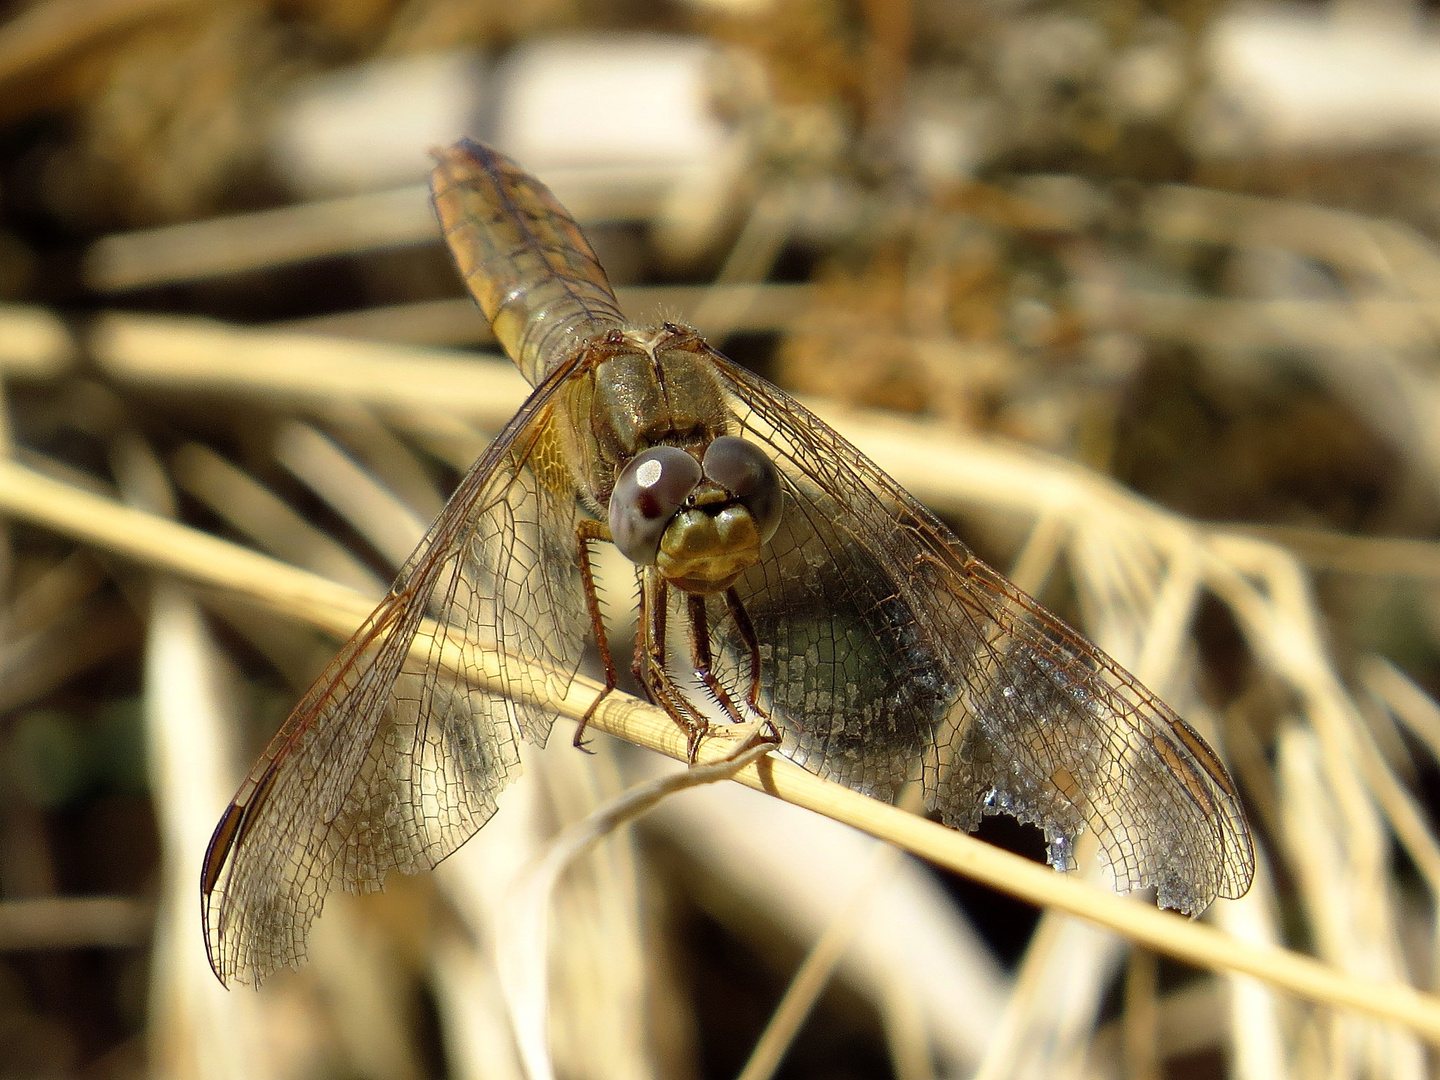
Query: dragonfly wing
point(846, 671)
point(889, 652)
point(396, 755)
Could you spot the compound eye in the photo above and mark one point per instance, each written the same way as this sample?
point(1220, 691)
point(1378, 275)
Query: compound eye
point(743, 469)
point(649, 491)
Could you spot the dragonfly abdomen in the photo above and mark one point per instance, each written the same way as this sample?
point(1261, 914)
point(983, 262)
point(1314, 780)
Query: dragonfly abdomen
point(530, 268)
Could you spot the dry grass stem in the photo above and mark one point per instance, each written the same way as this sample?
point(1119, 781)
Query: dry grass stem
point(750, 260)
point(906, 1034)
point(34, 343)
point(258, 513)
point(1005, 1045)
point(1354, 554)
point(810, 980)
point(55, 922)
point(752, 308)
point(50, 30)
point(523, 938)
point(1142, 1019)
point(198, 354)
point(204, 249)
point(380, 516)
point(197, 250)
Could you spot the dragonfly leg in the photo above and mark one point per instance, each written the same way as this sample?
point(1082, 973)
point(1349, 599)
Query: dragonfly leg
point(701, 657)
point(746, 629)
point(650, 650)
point(587, 531)
point(638, 666)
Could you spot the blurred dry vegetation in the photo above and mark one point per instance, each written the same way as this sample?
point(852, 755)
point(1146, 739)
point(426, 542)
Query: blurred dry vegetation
point(1097, 227)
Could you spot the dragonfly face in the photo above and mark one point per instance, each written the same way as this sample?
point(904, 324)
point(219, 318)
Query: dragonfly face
point(807, 588)
point(644, 433)
point(701, 523)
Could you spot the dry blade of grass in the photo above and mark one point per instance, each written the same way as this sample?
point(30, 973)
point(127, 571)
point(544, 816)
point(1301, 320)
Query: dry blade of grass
point(266, 519)
point(56, 28)
point(760, 868)
point(34, 342)
point(523, 939)
point(390, 526)
point(54, 922)
point(197, 250)
point(263, 239)
point(198, 1029)
point(771, 221)
point(478, 1041)
point(598, 973)
point(1175, 212)
point(1364, 555)
point(203, 355)
point(459, 322)
point(1411, 705)
point(1142, 1016)
point(1049, 1019)
point(166, 547)
point(805, 988)
point(821, 961)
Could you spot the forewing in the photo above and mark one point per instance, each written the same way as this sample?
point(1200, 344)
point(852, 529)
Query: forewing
point(890, 652)
point(396, 755)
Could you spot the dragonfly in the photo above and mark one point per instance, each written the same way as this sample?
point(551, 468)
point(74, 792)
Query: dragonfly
point(782, 578)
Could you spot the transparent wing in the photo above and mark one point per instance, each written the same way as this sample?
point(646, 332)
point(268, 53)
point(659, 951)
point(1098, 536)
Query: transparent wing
point(396, 755)
point(890, 652)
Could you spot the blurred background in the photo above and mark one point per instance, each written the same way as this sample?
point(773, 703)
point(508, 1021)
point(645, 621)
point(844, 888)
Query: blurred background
point(1183, 248)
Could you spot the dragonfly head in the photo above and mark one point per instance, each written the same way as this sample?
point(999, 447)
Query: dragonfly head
point(702, 523)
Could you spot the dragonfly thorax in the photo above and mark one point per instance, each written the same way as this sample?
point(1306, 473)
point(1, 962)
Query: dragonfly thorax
point(701, 523)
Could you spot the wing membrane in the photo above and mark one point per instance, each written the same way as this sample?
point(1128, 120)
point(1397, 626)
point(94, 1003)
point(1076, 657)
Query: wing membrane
point(990, 700)
point(395, 757)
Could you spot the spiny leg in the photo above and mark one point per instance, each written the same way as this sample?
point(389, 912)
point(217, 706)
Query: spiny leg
point(650, 660)
point(650, 633)
point(746, 629)
point(587, 531)
point(645, 632)
point(702, 659)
